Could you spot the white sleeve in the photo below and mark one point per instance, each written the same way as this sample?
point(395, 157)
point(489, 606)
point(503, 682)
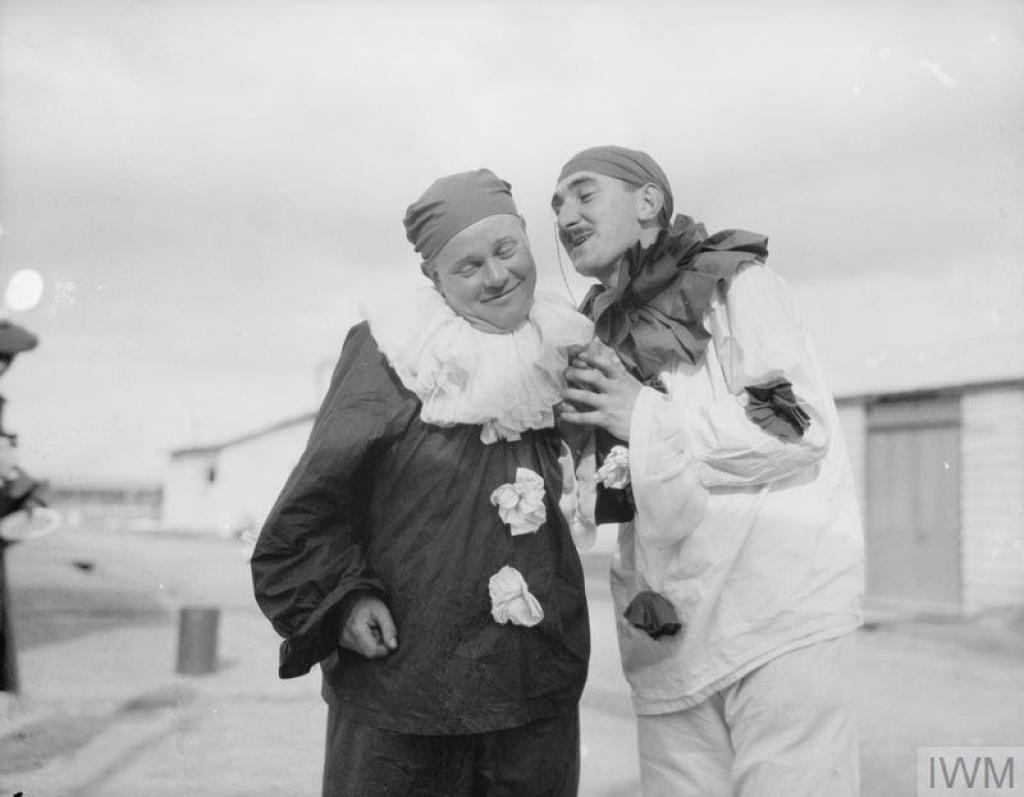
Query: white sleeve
point(758, 339)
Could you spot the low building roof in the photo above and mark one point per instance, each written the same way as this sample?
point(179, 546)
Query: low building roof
point(946, 363)
point(215, 448)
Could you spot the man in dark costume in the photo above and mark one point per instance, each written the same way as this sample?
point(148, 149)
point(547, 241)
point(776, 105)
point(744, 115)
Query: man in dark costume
point(17, 492)
point(422, 550)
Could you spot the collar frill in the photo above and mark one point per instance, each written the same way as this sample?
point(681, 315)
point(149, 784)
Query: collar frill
point(656, 314)
point(506, 383)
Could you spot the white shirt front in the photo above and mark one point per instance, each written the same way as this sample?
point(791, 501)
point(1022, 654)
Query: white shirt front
point(755, 540)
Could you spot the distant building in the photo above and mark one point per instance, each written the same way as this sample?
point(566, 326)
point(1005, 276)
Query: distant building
point(228, 487)
point(940, 464)
point(115, 506)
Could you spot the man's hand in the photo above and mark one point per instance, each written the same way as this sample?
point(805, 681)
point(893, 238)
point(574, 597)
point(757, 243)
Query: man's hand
point(601, 392)
point(369, 629)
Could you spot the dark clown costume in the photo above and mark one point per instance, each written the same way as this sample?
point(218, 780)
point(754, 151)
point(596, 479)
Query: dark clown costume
point(434, 479)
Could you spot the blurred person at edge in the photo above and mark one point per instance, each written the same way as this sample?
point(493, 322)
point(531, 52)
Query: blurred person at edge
point(739, 572)
point(23, 513)
point(422, 549)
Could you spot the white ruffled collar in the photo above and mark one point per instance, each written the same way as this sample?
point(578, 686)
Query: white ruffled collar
point(506, 383)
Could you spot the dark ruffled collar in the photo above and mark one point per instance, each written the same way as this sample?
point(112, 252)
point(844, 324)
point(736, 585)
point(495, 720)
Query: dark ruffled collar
point(655, 313)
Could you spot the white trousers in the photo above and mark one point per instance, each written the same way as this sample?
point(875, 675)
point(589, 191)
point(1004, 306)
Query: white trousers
point(786, 729)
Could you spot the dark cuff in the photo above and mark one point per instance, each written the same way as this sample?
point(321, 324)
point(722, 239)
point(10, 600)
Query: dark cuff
point(318, 637)
point(613, 506)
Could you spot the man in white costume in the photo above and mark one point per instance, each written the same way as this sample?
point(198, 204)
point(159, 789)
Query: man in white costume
point(739, 574)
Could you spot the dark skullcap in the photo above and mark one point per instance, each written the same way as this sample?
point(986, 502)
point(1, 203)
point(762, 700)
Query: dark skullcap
point(453, 203)
point(15, 339)
point(629, 165)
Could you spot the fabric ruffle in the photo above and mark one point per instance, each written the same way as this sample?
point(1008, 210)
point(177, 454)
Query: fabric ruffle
point(614, 471)
point(612, 504)
point(507, 383)
point(579, 493)
point(511, 599)
point(651, 612)
point(521, 503)
point(775, 409)
point(656, 313)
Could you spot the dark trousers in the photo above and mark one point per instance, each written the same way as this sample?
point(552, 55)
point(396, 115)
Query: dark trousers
point(541, 759)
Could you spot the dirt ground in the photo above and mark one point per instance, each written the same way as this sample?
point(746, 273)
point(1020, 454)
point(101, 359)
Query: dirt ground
point(103, 713)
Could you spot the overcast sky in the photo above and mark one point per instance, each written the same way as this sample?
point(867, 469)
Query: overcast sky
point(211, 188)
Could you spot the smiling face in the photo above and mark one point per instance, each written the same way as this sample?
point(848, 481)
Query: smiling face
point(599, 218)
point(486, 273)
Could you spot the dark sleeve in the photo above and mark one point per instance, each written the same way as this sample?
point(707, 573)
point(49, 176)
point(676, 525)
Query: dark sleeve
point(310, 553)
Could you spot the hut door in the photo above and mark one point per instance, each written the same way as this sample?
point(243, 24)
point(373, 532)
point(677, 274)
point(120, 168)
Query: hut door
point(913, 502)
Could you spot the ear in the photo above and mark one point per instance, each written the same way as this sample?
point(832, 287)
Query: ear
point(430, 273)
point(649, 202)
